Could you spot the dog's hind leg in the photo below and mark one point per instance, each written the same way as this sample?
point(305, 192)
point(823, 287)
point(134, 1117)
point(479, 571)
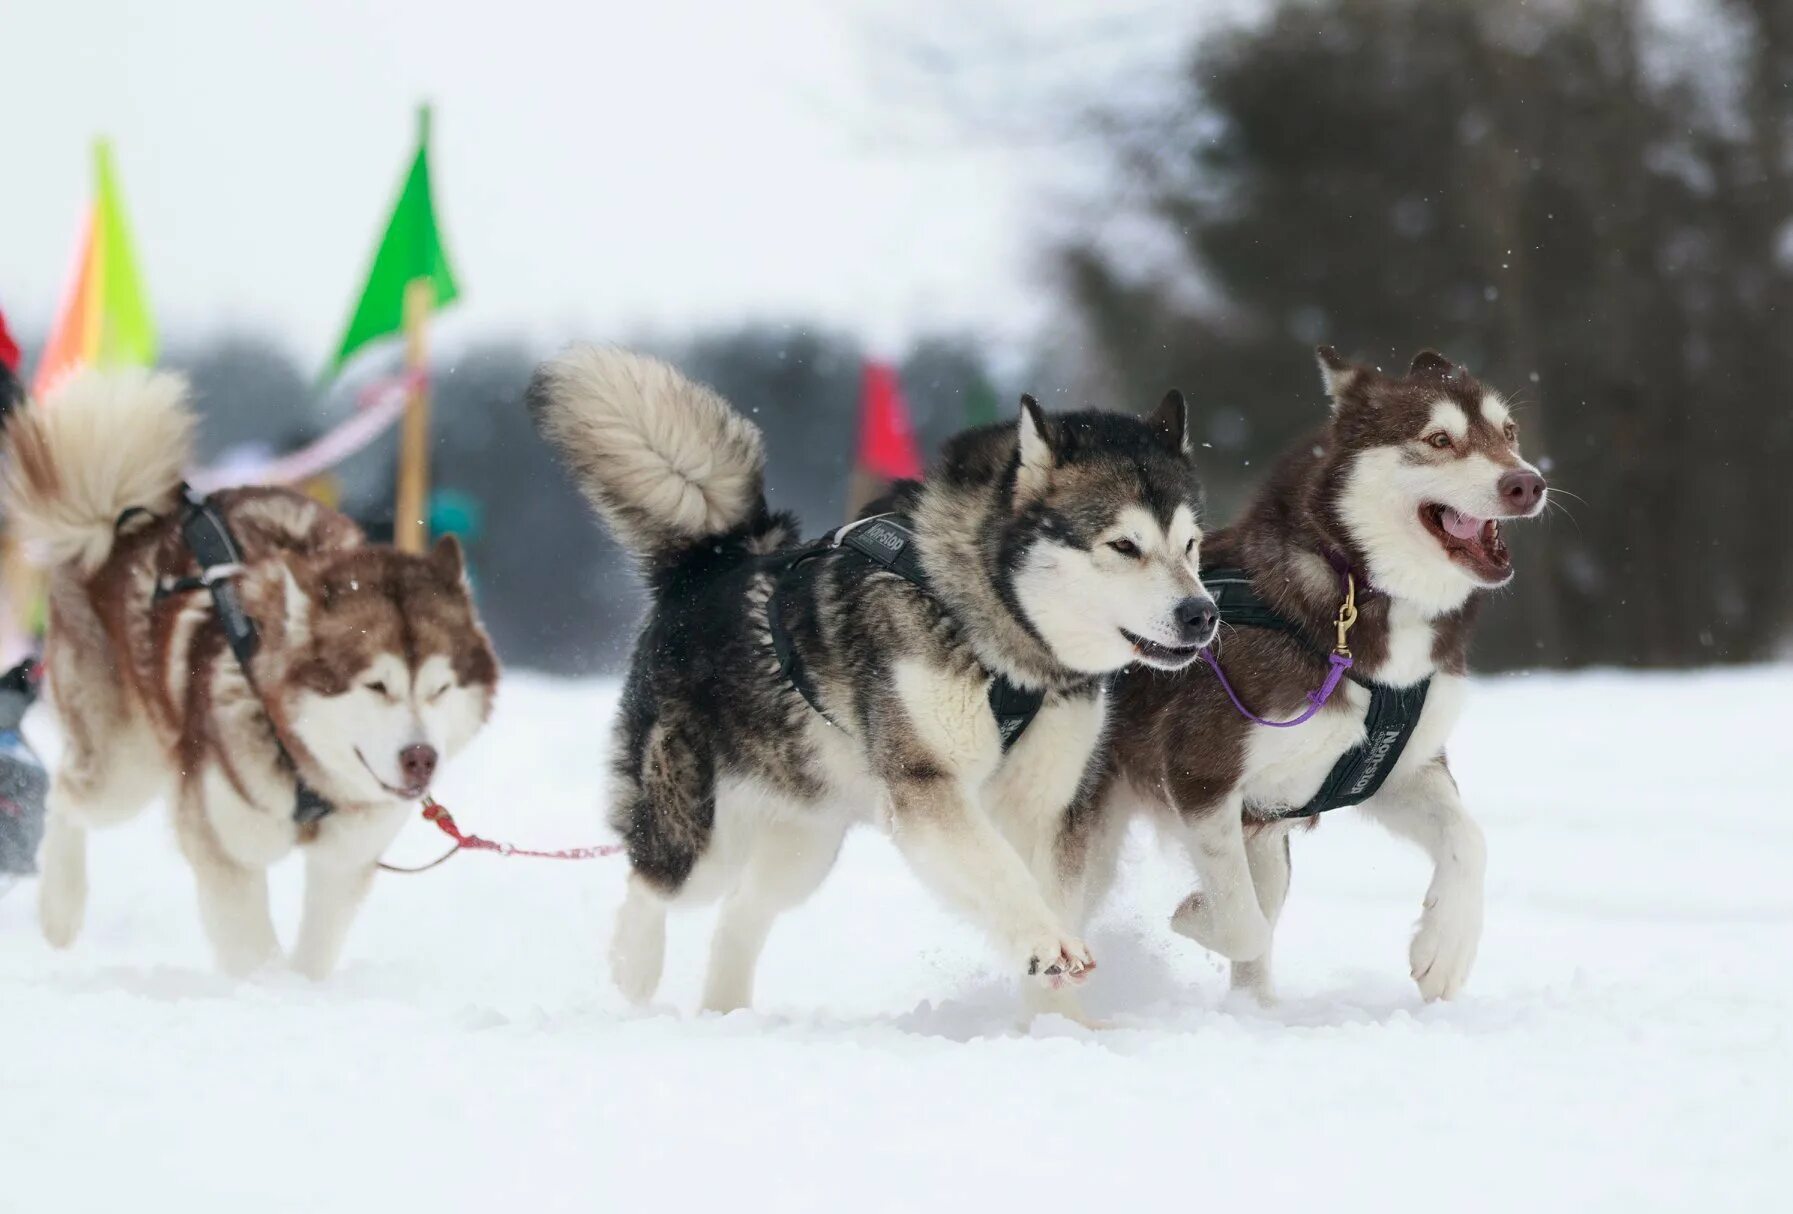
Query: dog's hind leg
point(1224, 916)
point(638, 941)
point(62, 885)
point(1267, 855)
point(784, 864)
point(110, 769)
point(1425, 808)
point(663, 803)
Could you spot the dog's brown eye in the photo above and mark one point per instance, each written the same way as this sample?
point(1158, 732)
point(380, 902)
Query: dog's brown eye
point(1439, 439)
point(1189, 547)
point(1124, 547)
point(1512, 433)
point(378, 688)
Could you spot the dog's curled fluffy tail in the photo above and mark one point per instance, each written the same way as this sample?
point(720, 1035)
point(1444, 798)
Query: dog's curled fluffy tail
point(664, 460)
point(99, 445)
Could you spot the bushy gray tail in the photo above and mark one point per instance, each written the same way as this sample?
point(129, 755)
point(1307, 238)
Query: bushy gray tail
point(664, 460)
point(98, 445)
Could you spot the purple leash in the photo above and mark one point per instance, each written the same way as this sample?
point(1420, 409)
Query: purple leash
point(1336, 664)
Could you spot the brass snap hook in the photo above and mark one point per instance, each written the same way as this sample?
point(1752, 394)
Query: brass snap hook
point(1347, 617)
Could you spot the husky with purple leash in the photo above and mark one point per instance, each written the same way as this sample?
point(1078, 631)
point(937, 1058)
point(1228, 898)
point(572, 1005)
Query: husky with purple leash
point(941, 668)
point(1347, 592)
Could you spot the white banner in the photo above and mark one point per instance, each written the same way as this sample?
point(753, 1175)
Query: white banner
point(380, 406)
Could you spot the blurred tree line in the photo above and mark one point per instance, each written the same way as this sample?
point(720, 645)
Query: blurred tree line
point(1592, 214)
point(555, 593)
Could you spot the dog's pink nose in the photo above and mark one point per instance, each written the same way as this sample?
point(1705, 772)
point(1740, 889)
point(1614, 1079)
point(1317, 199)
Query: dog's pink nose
point(418, 763)
point(1521, 489)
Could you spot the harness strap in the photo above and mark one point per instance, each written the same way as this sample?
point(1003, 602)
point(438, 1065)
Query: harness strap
point(215, 550)
point(888, 544)
point(1389, 723)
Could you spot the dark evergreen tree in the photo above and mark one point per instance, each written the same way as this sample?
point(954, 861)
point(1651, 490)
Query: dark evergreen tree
point(1592, 217)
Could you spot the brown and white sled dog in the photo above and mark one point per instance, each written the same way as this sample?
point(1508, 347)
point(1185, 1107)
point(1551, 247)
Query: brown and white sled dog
point(1405, 488)
point(1053, 551)
point(371, 668)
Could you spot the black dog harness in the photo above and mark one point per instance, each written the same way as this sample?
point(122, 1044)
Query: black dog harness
point(888, 544)
point(1393, 714)
point(215, 550)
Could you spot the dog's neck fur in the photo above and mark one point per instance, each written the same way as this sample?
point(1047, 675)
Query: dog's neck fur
point(280, 621)
point(1284, 539)
point(961, 529)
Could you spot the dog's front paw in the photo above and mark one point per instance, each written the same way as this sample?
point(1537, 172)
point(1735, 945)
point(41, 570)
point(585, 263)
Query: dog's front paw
point(1444, 945)
point(1056, 961)
point(1238, 933)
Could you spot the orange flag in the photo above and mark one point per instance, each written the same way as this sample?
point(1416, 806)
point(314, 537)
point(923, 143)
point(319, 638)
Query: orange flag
point(104, 320)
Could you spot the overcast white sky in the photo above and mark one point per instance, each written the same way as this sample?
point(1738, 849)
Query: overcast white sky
point(600, 167)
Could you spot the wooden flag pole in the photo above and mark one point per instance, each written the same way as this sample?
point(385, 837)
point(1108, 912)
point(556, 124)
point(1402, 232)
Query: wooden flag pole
point(410, 524)
point(20, 587)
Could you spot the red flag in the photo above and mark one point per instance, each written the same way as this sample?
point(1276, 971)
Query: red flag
point(9, 349)
point(886, 438)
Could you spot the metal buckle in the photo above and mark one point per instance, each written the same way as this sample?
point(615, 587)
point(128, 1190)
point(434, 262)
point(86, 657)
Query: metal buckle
point(1346, 618)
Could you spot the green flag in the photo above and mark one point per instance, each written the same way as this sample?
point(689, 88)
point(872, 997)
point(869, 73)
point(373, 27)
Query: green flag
point(980, 403)
point(411, 249)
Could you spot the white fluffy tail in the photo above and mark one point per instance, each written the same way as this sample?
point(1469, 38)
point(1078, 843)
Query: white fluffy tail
point(664, 460)
point(99, 445)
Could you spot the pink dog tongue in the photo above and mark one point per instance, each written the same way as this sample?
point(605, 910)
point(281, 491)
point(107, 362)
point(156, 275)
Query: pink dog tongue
point(1463, 526)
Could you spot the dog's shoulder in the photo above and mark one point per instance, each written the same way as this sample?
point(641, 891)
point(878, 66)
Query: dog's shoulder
point(269, 521)
point(889, 619)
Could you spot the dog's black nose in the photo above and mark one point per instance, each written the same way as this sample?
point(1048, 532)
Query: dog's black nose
point(418, 763)
point(1196, 618)
point(1521, 489)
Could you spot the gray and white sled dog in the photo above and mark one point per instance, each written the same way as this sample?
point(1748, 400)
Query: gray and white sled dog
point(1399, 498)
point(1047, 554)
point(368, 667)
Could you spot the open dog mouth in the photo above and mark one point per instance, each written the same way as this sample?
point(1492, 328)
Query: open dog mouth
point(1165, 657)
point(406, 794)
point(1470, 541)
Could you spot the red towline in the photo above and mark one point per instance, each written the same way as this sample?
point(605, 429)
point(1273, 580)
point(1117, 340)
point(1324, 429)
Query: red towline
point(434, 811)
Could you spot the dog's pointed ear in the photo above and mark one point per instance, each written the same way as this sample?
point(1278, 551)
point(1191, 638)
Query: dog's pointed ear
point(1038, 453)
point(1430, 364)
point(1169, 423)
point(1338, 374)
point(446, 556)
point(295, 602)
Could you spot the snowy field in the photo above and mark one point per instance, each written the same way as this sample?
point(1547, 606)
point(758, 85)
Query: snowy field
point(1624, 1044)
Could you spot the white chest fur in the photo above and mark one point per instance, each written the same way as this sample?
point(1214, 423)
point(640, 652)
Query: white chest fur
point(1284, 768)
point(1039, 775)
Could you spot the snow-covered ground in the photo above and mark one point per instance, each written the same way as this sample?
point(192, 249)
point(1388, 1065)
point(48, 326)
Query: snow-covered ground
point(1624, 1044)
